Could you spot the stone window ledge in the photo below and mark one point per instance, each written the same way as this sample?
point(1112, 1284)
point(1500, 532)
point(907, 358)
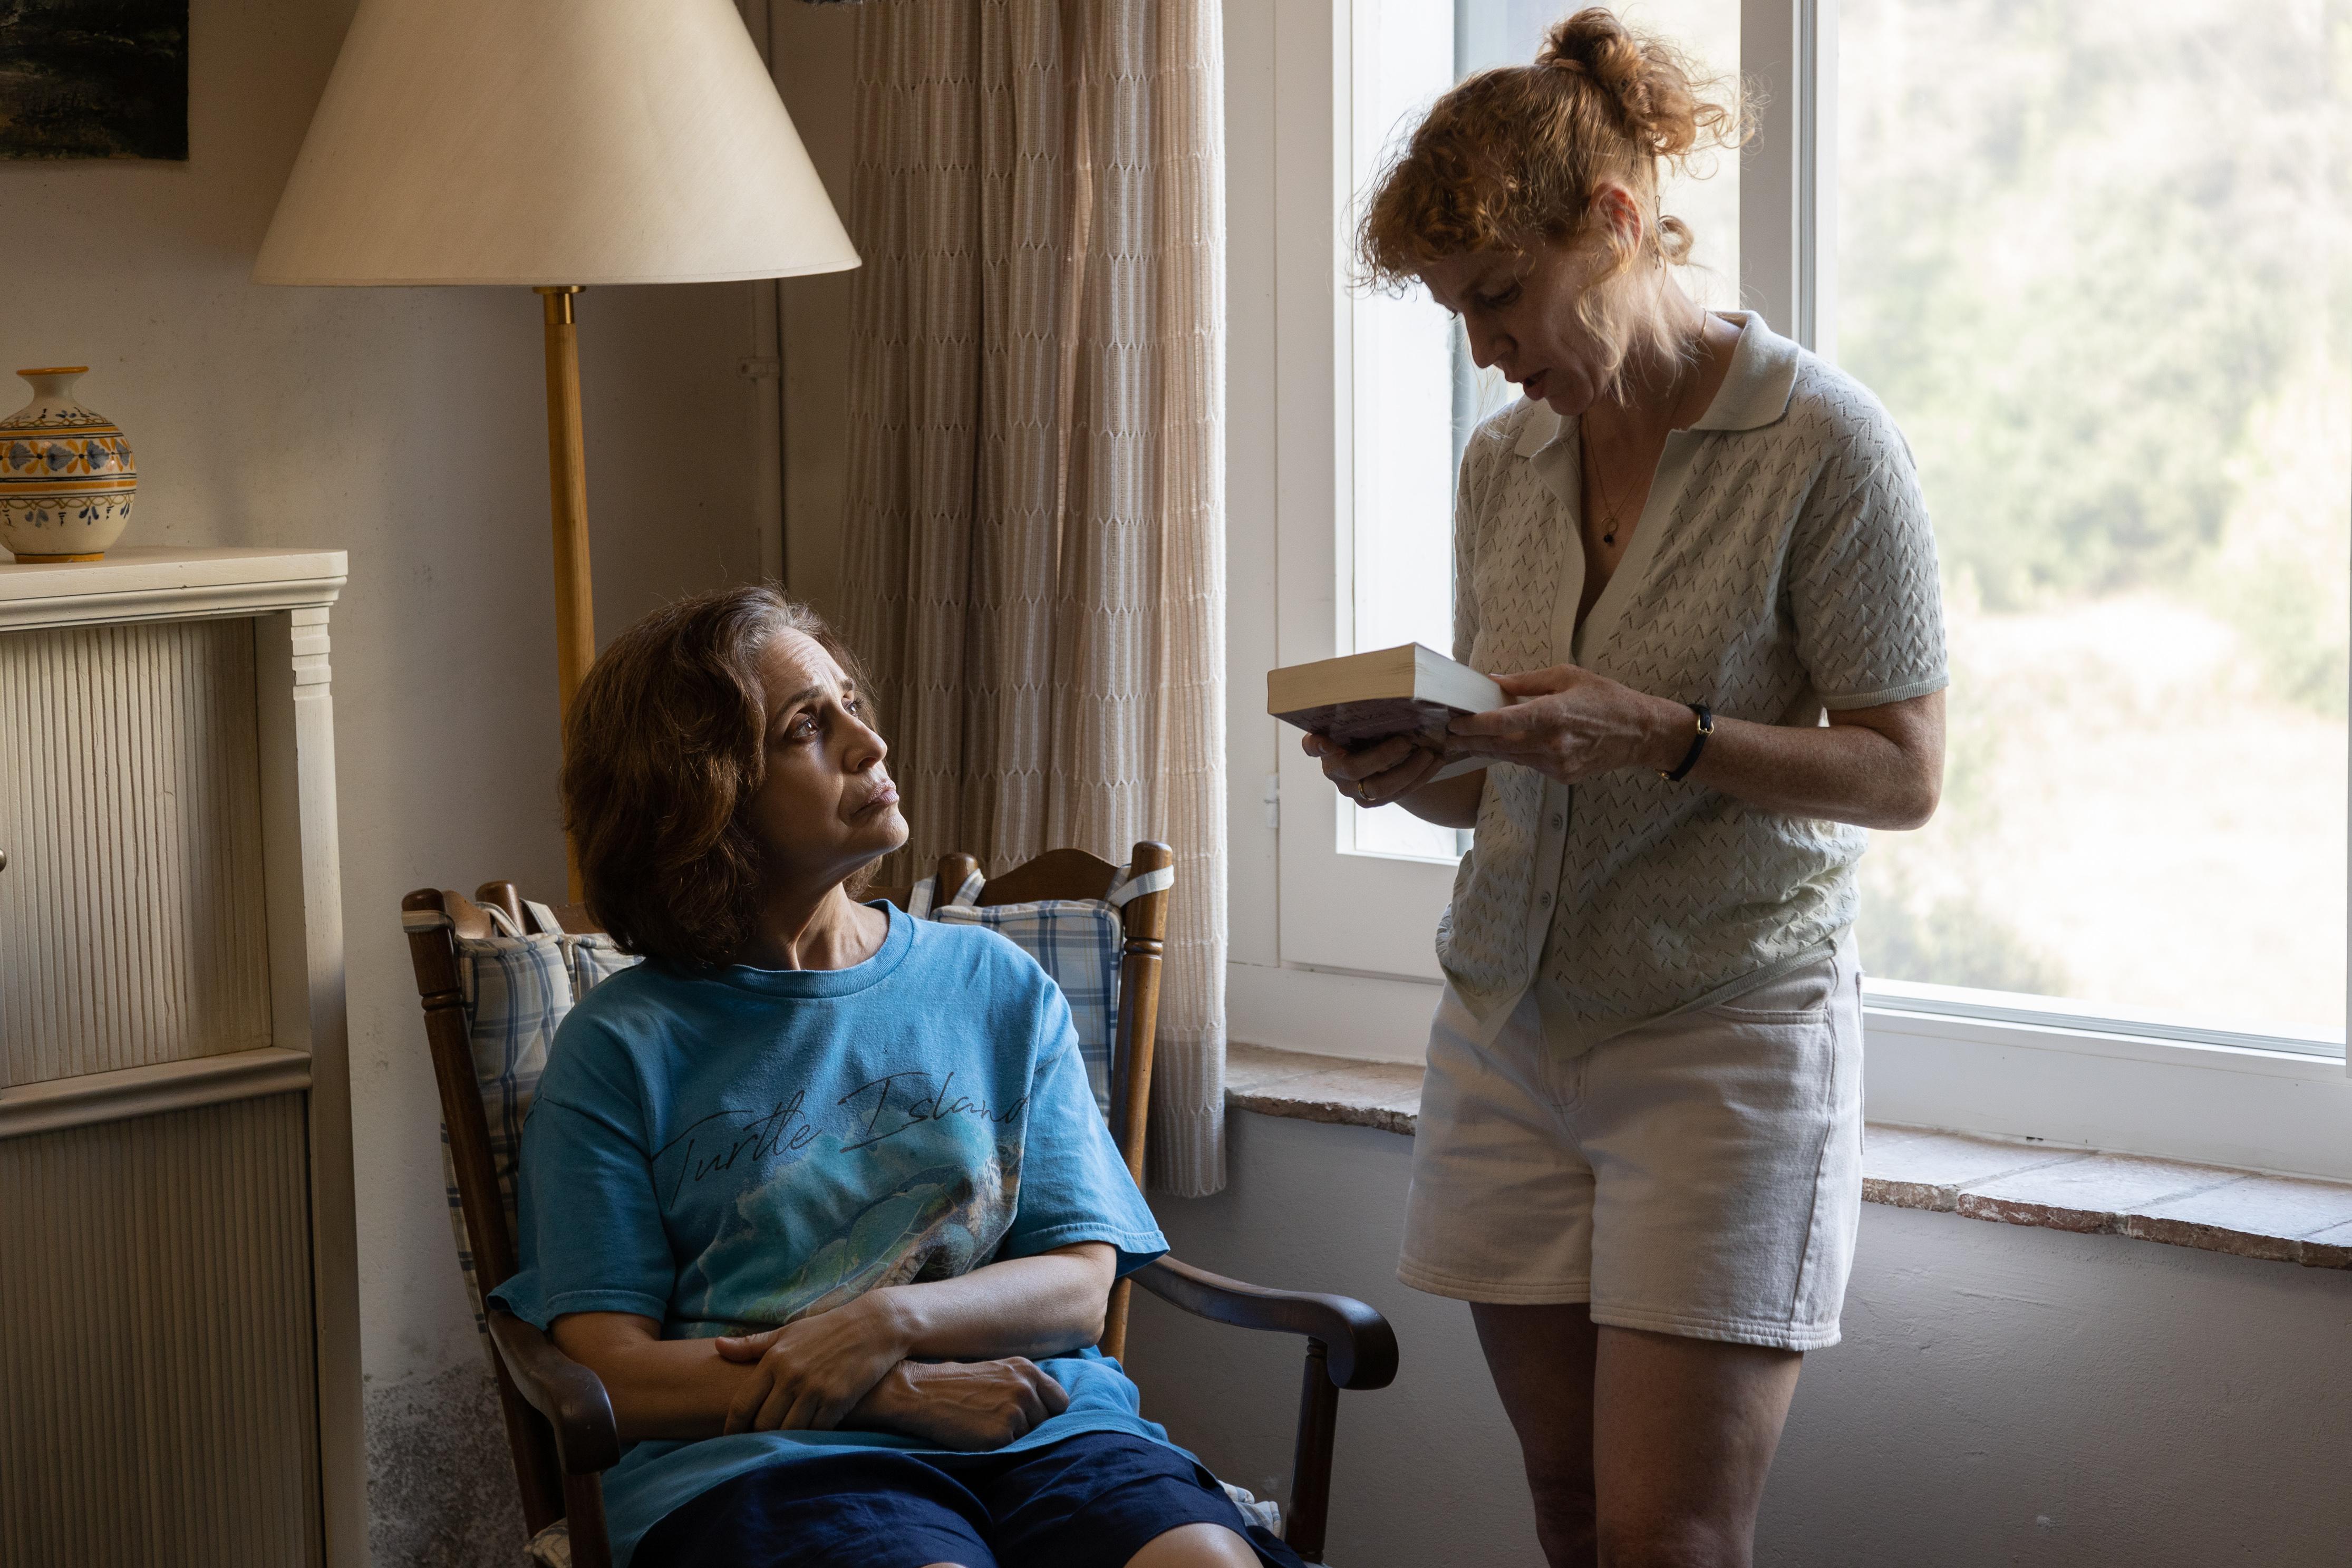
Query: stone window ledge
point(2286, 1219)
point(1305, 1087)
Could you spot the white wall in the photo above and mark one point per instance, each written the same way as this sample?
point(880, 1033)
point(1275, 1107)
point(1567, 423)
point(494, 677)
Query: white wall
point(2003, 1395)
point(407, 427)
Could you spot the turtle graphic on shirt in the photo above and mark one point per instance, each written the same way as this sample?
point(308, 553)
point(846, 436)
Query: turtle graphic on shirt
point(920, 1218)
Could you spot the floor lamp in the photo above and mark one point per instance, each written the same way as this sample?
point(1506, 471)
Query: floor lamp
point(552, 144)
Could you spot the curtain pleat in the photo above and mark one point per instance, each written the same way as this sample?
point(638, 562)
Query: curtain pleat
point(1035, 526)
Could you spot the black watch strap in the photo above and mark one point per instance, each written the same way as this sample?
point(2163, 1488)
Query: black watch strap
point(1698, 745)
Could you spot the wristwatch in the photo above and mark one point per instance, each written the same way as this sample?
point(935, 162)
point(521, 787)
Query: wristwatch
point(1698, 745)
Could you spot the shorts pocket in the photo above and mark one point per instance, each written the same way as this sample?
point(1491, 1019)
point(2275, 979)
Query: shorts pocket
point(1837, 1183)
point(1803, 995)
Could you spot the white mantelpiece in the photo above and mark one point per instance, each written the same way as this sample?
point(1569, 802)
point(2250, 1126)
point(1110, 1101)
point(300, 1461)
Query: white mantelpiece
point(163, 583)
point(174, 1095)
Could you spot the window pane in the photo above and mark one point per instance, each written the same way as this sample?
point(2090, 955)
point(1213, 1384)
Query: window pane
point(2092, 257)
point(1416, 395)
point(1403, 384)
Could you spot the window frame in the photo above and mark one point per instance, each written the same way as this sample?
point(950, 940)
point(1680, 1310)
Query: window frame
point(1333, 951)
point(1346, 912)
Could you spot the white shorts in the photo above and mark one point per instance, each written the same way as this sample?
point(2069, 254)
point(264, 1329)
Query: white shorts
point(1699, 1176)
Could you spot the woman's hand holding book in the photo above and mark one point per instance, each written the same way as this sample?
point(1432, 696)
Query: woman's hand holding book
point(1378, 772)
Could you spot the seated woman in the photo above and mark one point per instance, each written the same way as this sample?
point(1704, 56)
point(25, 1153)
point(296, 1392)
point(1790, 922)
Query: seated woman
point(811, 1187)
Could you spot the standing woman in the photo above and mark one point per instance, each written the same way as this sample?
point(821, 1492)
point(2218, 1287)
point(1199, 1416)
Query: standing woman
point(1698, 558)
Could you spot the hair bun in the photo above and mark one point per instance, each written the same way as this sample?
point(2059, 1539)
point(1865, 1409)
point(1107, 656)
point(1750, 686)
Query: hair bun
point(1518, 152)
point(1647, 81)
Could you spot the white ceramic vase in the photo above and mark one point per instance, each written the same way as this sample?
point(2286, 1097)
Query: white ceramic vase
point(66, 477)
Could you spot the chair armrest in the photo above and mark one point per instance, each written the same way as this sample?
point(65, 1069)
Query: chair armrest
point(1361, 1347)
point(571, 1396)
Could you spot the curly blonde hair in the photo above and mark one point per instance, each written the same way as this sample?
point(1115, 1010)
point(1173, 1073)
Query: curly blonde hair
point(1514, 156)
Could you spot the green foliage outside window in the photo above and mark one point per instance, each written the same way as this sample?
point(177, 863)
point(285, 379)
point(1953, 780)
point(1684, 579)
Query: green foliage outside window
point(2096, 258)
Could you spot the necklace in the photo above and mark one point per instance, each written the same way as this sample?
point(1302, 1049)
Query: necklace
point(1608, 504)
point(1609, 512)
point(1688, 380)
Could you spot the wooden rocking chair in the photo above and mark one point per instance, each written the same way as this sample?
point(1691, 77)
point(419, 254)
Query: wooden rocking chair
point(559, 1425)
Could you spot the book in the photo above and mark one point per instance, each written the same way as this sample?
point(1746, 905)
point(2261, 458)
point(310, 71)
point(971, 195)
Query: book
point(1366, 697)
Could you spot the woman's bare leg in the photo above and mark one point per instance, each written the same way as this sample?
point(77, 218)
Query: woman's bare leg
point(1685, 1434)
point(1541, 1359)
point(1642, 1450)
point(1196, 1546)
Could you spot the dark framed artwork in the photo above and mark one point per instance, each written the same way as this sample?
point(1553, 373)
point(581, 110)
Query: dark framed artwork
point(94, 78)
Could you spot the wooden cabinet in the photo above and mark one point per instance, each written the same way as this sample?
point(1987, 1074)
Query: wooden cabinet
point(179, 1357)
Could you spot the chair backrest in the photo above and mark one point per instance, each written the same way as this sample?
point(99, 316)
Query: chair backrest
point(496, 978)
point(1101, 931)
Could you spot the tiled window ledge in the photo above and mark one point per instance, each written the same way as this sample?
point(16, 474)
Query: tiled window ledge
point(2282, 1219)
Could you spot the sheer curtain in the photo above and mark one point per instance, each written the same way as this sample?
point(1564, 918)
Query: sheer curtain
point(1035, 562)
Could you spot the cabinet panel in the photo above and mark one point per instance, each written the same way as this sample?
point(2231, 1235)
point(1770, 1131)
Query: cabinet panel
point(157, 1371)
point(131, 921)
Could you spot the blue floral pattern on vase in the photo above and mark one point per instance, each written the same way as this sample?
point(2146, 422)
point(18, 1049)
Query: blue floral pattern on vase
point(66, 476)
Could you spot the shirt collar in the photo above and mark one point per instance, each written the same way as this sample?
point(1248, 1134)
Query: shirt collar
point(831, 984)
point(1755, 390)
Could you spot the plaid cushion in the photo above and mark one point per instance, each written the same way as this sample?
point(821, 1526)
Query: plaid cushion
point(592, 959)
point(1078, 942)
point(515, 992)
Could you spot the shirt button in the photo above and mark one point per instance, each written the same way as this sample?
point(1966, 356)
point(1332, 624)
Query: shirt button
point(1557, 819)
point(1544, 898)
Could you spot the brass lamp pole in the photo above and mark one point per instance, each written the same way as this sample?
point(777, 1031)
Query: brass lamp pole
point(567, 494)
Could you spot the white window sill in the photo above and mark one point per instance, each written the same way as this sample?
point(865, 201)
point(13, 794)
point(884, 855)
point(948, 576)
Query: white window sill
point(2244, 1213)
point(2235, 1105)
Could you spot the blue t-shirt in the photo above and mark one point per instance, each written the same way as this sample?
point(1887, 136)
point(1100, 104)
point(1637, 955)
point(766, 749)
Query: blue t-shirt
point(729, 1150)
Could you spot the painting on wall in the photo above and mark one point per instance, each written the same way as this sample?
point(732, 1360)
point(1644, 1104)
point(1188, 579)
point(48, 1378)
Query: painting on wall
point(94, 78)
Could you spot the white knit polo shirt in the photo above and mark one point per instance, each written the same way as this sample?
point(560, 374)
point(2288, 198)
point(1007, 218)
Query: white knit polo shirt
point(1783, 565)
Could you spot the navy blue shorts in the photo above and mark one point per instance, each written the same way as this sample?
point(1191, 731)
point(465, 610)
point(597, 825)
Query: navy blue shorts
point(1089, 1502)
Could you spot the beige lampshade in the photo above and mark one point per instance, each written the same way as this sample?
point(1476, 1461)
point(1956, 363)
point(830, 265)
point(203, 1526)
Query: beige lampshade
point(551, 142)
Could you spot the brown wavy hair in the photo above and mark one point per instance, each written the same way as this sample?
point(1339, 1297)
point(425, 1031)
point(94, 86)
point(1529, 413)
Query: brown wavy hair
point(664, 745)
point(1513, 156)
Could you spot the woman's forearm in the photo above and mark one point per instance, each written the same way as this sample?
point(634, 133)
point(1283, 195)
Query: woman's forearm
point(1881, 766)
point(1876, 767)
point(681, 1389)
point(1025, 1306)
point(1449, 802)
point(659, 1388)
point(1035, 1307)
